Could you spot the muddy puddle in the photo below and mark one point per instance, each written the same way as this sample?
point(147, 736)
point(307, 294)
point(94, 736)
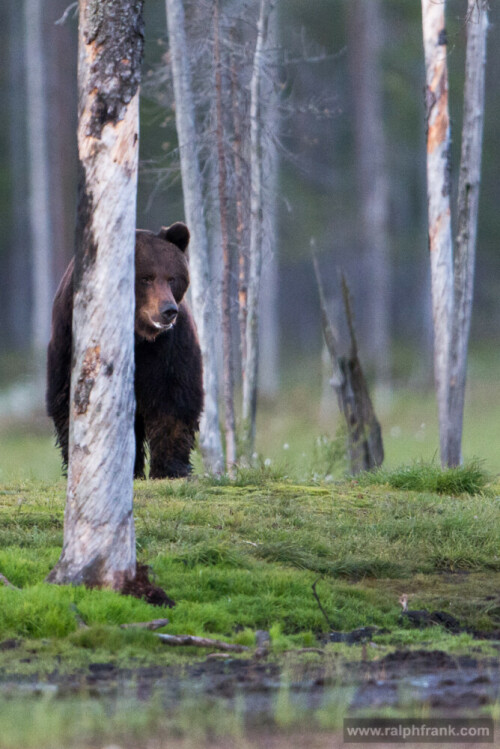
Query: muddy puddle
point(446, 684)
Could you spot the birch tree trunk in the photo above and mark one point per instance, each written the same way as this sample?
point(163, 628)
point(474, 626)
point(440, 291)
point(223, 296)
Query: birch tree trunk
point(468, 205)
point(366, 33)
point(99, 539)
point(229, 419)
point(438, 196)
point(201, 293)
point(39, 182)
point(249, 410)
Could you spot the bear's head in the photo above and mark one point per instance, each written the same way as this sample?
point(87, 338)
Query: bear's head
point(161, 278)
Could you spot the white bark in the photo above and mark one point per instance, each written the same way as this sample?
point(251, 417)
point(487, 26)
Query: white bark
point(438, 194)
point(99, 539)
point(202, 294)
point(255, 253)
point(39, 185)
point(468, 205)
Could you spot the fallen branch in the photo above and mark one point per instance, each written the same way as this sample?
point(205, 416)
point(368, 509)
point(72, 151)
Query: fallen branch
point(201, 642)
point(152, 625)
point(7, 583)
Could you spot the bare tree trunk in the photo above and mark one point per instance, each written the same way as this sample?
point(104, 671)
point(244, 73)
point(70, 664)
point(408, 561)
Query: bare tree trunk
point(366, 42)
point(99, 538)
point(438, 195)
point(255, 253)
point(229, 419)
point(468, 205)
point(39, 184)
point(201, 293)
point(240, 217)
point(16, 291)
point(269, 349)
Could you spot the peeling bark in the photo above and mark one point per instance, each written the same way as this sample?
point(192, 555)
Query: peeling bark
point(438, 195)
point(99, 538)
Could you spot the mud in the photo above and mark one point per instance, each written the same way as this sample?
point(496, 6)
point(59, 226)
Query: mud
point(447, 685)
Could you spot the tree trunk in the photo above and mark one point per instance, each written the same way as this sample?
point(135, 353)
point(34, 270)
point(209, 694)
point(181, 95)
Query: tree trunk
point(16, 287)
point(468, 205)
point(438, 195)
point(269, 339)
point(366, 33)
point(39, 185)
point(255, 252)
point(99, 539)
point(240, 216)
point(229, 419)
point(201, 292)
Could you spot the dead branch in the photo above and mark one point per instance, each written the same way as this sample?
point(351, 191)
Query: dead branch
point(201, 642)
point(7, 583)
point(152, 625)
point(320, 604)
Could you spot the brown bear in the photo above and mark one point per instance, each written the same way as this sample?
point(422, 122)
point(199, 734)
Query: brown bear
point(168, 365)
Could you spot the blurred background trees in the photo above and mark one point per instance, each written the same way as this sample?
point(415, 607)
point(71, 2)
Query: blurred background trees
point(344, 81)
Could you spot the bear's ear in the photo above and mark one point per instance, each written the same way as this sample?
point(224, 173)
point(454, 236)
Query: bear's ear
point(177, 234)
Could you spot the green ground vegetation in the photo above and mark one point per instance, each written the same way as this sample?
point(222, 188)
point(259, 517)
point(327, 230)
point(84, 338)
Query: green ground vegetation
point(238, 556)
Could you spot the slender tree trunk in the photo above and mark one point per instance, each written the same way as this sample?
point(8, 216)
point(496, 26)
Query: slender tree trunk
point(468, 206)
point(60, 42)
point(39, 176)
point(201, 292)
point(255, 254)
point(99, 539)
point(240, 217)
point(229, 419)
point(269, 348)
point(16, 288)
point(438, 195)
point(366, 32)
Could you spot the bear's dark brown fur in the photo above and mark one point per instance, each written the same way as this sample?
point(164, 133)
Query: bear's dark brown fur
point(168, 367)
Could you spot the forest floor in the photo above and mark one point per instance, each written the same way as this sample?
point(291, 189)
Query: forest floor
point(240, 559)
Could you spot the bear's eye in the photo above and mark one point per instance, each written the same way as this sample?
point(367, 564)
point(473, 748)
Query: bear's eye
point(147, 280)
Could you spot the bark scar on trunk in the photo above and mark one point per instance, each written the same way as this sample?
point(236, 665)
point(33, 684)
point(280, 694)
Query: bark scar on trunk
point(115, 43)
point(89, 371)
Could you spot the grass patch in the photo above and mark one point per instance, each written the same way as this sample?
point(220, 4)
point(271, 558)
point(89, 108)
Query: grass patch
point(470, 478)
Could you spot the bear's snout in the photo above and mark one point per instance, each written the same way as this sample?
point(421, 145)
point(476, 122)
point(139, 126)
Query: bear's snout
point(168, 313)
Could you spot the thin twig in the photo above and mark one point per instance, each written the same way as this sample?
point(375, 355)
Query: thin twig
point(64, 17)
point(319, 603)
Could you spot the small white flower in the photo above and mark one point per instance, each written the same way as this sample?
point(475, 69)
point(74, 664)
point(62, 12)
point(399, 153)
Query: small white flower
point(286, 446)
point(267, 462)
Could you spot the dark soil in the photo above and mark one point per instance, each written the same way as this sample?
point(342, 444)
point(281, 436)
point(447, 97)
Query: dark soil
point(448, 685)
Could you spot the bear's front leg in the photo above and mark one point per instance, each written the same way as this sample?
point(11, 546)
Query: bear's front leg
point(170, 443)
